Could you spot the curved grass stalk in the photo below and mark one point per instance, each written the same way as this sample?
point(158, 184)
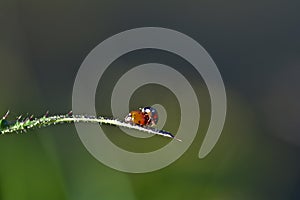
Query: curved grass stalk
point(23, 124)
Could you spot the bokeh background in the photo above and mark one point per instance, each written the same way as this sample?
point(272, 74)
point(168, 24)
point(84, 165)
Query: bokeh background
point(256, 47)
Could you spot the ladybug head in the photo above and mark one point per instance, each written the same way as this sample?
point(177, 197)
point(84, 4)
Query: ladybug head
point(153, 114)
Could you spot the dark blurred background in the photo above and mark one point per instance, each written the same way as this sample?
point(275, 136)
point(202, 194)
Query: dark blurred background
point(256, 47)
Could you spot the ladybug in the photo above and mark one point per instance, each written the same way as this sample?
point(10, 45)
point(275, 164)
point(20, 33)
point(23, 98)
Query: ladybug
point(146, 116)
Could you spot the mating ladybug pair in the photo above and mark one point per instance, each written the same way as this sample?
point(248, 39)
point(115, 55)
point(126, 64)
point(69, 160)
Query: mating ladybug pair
point(146, 116)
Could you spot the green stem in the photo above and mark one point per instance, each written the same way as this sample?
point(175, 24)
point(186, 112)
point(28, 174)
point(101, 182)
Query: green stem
point(22, 125)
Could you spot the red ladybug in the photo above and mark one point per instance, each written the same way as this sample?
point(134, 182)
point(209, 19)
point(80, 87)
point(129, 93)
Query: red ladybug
point(146, 116)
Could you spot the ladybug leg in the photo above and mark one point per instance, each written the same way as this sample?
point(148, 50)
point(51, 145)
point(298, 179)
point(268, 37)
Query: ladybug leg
point(147, 119)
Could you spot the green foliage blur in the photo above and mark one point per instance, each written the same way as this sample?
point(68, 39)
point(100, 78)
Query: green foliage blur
point(256, 46)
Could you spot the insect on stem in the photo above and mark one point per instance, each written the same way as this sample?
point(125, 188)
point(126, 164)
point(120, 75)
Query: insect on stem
point(28, 123)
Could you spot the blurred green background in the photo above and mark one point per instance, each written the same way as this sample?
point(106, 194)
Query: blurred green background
point(256, 47)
